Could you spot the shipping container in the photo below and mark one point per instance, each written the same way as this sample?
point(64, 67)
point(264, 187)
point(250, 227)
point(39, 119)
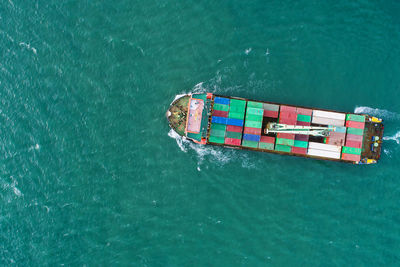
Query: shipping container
point(351, 150)
point(305, 118)
point(218, 126)
point(253, 124)
point(354, 117)
point(255, 111)
point(321, 146)
point(270, 107)
point(288, 115)
point(232, 128)
point(254, 117)
point(354, 137)
point(323, 153)
point(219, 120)
point(215, 139)
point(234, 135)
point(267, 139)
point(338, 129)
point(231, 141)
point(327, 121)
point(355, 124)
point(355, 144)
point(299, 150)
point(304, 111)
point(221, 107)
point(221, 100)
point(289, 109)
point(298, 143)
point(283, 148)
point(220, 113)
point(235, 115)
point(301, 137)
point(270, 113)
point(303, 123)
point(287, 121)
point(285, 135)
point(249, 143)
point(251, 137)
point(283, 141)
point(253, 104)
point(217, 133)
point(237, 109)
point(351, 157)
point(355, 131)
point(237, 102)
point(250, 130)
point(235, 122)
point(329, 115)
point(268, 146)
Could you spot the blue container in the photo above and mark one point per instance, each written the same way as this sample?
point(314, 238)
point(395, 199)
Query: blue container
point(219, 120)
point(339, 129)
point(221, 100)
point(235, 122)
point(252, 137)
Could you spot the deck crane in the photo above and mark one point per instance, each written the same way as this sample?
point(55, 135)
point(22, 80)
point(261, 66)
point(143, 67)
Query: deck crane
point(274, 127)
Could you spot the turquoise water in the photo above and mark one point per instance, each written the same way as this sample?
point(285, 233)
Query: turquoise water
point(91, 174)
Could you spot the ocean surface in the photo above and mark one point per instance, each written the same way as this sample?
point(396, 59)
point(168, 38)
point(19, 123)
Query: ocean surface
point(91, 175)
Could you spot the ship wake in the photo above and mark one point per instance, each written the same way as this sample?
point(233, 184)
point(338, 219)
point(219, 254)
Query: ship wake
point(380, 113)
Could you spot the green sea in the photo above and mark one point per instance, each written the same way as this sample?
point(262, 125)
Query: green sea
point(91, 175)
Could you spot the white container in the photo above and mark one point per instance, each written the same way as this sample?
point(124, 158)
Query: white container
point(327, 121)
point(327, 147)
point(323, 153)
point(329, 115)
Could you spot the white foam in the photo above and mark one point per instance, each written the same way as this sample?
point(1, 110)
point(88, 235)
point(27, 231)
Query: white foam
point(28, 46)
point(198, 88)
point(179, 140)
point(380, 113)
point(395, 137)
point(247, 51)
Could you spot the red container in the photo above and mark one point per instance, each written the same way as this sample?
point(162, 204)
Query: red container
point(355, 124)
point(288, 109)
point(354, 137)
point(250, 130)
point(303, 123)
point(355, 144)
point(287, 121)
point(304, 111)
point(267, 139)
point(232, 128)
point(220, 113)
point(301, 137)
point(286, 136)
point(270, 114)
point(288, 115)
point(351, 157)
point(232, 141)
point(299, 150)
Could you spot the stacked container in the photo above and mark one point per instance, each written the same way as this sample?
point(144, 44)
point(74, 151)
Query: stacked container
point(301, 140)
point(253, 124)
point(285, 141)
point(270, 110)
point(219, 120)
point(328, 118)
point(354, 138)
point(236, 112)
point(324, 150)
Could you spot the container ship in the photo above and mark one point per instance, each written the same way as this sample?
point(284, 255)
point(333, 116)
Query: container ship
point(240, 123)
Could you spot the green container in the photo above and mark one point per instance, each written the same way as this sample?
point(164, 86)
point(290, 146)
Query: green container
point(237, 103)
point(254, 117)
point(351, 150)
point(214, 139)
point(298, 143)
point(221, 107)
point(216, 126)
point(235, 115)
point(268, 146)
point(255, 111)
point(217, 133)
point(354, 117)
point(304, 118)
point(248, 143)
point(237, 109)
point(254, 104)
point(283, 148)
point(253, 124)
point(284, 141)
point(355, 131)
point(233, 135)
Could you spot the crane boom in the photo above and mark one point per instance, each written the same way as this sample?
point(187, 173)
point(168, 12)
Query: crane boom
point(273, 127)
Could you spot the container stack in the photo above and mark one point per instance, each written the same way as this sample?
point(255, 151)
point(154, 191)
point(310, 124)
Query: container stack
point(354, 138)
point(301, 140)
point(285, 141)
point(336, 137)
point(324, 150)
point(227, 121)
point(328, 118)
point(270, 110)
point(253, 124)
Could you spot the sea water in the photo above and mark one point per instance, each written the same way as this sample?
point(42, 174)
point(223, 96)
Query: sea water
point(91, 174)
